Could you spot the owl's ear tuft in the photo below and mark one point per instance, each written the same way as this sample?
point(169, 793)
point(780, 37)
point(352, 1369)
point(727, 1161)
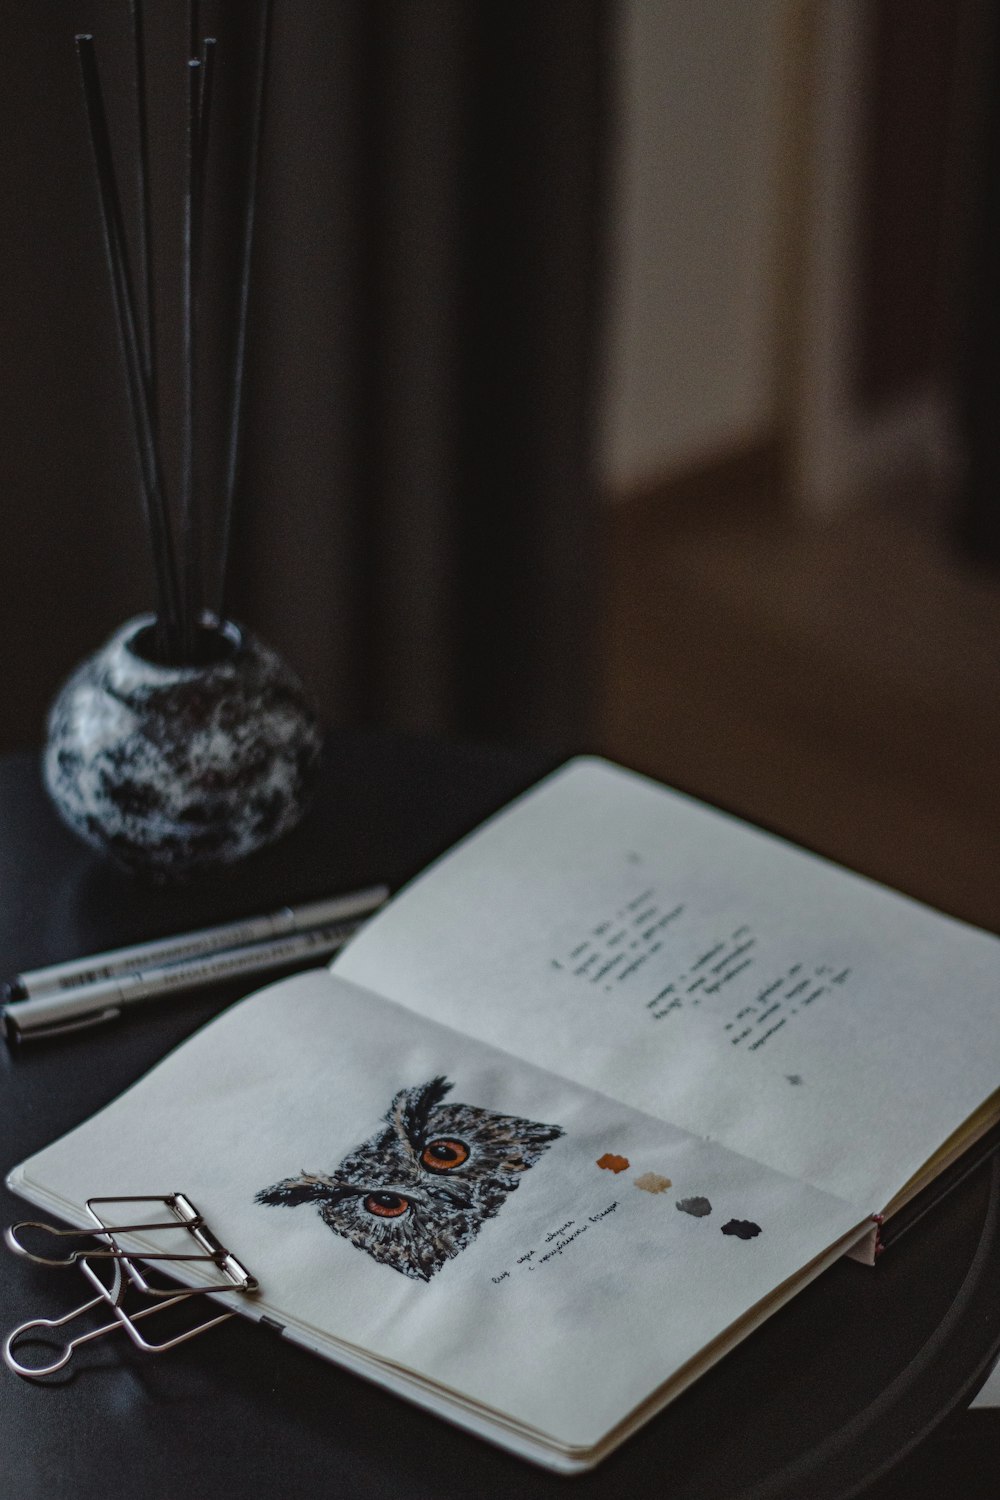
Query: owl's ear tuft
point(307, 1188)
point(536, 1138)
point(411, 1108)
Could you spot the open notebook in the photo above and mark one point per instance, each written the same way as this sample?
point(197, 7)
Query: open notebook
point(582, 1106)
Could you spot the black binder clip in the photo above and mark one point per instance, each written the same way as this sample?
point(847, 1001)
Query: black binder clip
point(127, 1281)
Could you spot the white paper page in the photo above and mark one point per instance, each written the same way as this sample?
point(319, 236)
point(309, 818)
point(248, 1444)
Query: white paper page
point(988, 1395)
point(586, 1287)
point(645, 945)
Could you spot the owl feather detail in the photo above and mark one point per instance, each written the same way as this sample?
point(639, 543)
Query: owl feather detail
point(420, 1189)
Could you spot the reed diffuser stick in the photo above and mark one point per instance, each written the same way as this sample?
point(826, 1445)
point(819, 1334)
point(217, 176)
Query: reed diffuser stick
point(168, 628)
point(205, 99)
point(201, 73)
point(235, 445)
point(190, 529)
point(194, 28)
point(146, 276)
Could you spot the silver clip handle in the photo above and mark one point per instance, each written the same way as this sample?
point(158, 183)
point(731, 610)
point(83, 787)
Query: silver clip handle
point(24, 1330)
point(112, 1296)
point(108, 1252)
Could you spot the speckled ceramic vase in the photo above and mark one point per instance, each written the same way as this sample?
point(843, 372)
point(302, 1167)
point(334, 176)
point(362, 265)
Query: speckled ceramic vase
point(174, 770)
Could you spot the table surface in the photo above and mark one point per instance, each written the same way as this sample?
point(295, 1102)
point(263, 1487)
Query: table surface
point(825, 1400)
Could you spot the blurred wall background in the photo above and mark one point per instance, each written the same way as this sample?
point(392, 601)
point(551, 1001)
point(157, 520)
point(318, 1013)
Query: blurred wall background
point(794, 210)
point(696, 231)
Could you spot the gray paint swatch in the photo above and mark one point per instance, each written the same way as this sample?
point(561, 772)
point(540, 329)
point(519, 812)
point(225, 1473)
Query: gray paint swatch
point(697, 1207)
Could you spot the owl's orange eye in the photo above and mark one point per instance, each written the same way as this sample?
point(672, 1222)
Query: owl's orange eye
point(444, 1155)
point(386, 1205)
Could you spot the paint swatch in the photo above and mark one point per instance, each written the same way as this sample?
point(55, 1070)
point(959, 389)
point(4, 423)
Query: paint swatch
point(652, 1182)
point(696, 1207)
point(742, 1229)
point(611, 1163)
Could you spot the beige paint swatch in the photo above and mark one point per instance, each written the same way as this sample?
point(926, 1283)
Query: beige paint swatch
point(652, 1182)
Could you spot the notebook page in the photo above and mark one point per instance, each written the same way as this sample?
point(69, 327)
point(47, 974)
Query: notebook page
point(573, 1259)
point(664, 953)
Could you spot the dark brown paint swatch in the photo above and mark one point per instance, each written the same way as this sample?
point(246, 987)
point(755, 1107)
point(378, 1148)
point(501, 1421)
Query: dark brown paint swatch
point(743, 1229)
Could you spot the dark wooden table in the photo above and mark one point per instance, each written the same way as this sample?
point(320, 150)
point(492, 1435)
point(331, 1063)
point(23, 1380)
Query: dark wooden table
point(836, 1395)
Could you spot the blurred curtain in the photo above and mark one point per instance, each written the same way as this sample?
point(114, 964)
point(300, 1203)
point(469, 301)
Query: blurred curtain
point(979, 311)
point(415, 528)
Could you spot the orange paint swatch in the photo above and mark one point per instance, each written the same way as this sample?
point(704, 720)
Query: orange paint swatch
point(652, 1182)
point(612, 1163)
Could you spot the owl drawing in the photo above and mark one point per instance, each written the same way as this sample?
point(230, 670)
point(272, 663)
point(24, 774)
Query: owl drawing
point(420, 1189)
